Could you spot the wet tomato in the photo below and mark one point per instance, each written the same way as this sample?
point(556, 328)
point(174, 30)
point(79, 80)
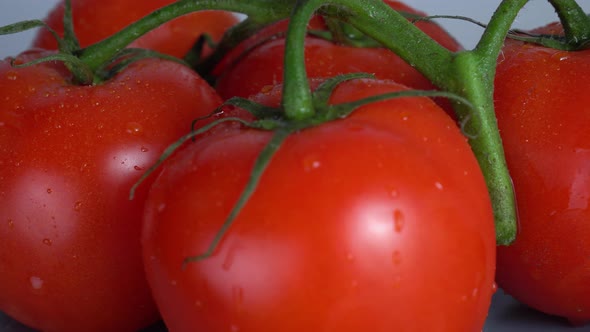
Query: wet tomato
point(377, 222)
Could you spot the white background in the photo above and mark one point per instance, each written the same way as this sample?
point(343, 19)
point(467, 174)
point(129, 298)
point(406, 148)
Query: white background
point(536, 13)
point(506, 315)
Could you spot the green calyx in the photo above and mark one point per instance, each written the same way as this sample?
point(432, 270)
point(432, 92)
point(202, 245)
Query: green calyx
point(277, 121)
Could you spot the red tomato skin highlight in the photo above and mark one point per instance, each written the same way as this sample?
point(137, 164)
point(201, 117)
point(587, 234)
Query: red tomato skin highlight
point(69, 237)
point(360, 224)
point(542, 109)
point(174, 38)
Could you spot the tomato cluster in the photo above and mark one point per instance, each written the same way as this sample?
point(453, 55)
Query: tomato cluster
point(379, 220)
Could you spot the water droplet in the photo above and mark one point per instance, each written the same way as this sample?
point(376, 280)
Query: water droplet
point(310, 163)
point(10, 223)
point(137, 168)
point(396, 258)
point(475, 292)
point(161, 207)
point(173, 282)
point(396, 282)
point(228, 261)
point(47, 242)
point(134, 128)
point(77, 206)
point(144, 149)
point(238, 298)
point(398, 221)
point(439, 185)
point(350, 257)
point(560, 56)
point(394, 193)
point(11, 75)
point(36, 282)
point(49, 190)
point(235, 328)
point(494, 287)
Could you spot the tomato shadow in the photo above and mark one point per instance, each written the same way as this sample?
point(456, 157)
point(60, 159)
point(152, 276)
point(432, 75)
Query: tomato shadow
point(509, 315)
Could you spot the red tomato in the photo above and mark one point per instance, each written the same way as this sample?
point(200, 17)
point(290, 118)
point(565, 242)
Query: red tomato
point(97, 19)
point(377, 222)
point(70, 257)
point(542, 98)
point(244, 73)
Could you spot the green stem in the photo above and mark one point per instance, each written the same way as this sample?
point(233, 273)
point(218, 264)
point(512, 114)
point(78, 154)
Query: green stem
point(575, 21)
point(297, 99)
point(97, 55)
point(469, 74)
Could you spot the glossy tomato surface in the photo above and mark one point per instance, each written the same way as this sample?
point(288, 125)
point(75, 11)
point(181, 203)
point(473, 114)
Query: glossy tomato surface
point(377, 222)
point(69, 235)
point(247, 70)
point(95, 20)
point(542, 98)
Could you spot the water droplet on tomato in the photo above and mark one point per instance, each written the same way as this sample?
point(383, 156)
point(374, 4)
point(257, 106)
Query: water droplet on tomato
point(310, 163)
point(238, 298)
point(398, 221)
point(396, 258)
point(394, 193)
point(77, 206)
point(494, 287)
point(137, 168)
point(10, 223)
point(161, 207)
point(475, 292)
point(228, 262)
point(560, 56)
point(49, 190)
point(36, 282)
point(439, 185)
point(134, 128)
point(350, 257)
point(47, 242)
point(11, 75)
point(235, 328)
point(173, 282)
point(397, 280)
point(144, 149)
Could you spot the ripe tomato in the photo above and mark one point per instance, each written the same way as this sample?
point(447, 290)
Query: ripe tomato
point(70, 257)
point(97, 19)
point(377, 222)
point(244, 73)
point(541, 103)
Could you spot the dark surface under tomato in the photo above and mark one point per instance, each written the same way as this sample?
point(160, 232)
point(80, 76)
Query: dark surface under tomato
point(69, 237)
point(506, 315)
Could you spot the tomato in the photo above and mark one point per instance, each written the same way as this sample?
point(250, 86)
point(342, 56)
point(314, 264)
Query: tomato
point(541, 103)
point(247, 70)
point(377, 222)
point(97, 19)
point(70, 257)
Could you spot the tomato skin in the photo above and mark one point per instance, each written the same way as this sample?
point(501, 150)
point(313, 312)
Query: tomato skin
point(70, 257)
point(337, 236)
point(246, 73)
point(174, 38)
point(541, 104)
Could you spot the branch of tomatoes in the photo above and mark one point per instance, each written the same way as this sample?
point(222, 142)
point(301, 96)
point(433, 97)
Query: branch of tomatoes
point(469, 74)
